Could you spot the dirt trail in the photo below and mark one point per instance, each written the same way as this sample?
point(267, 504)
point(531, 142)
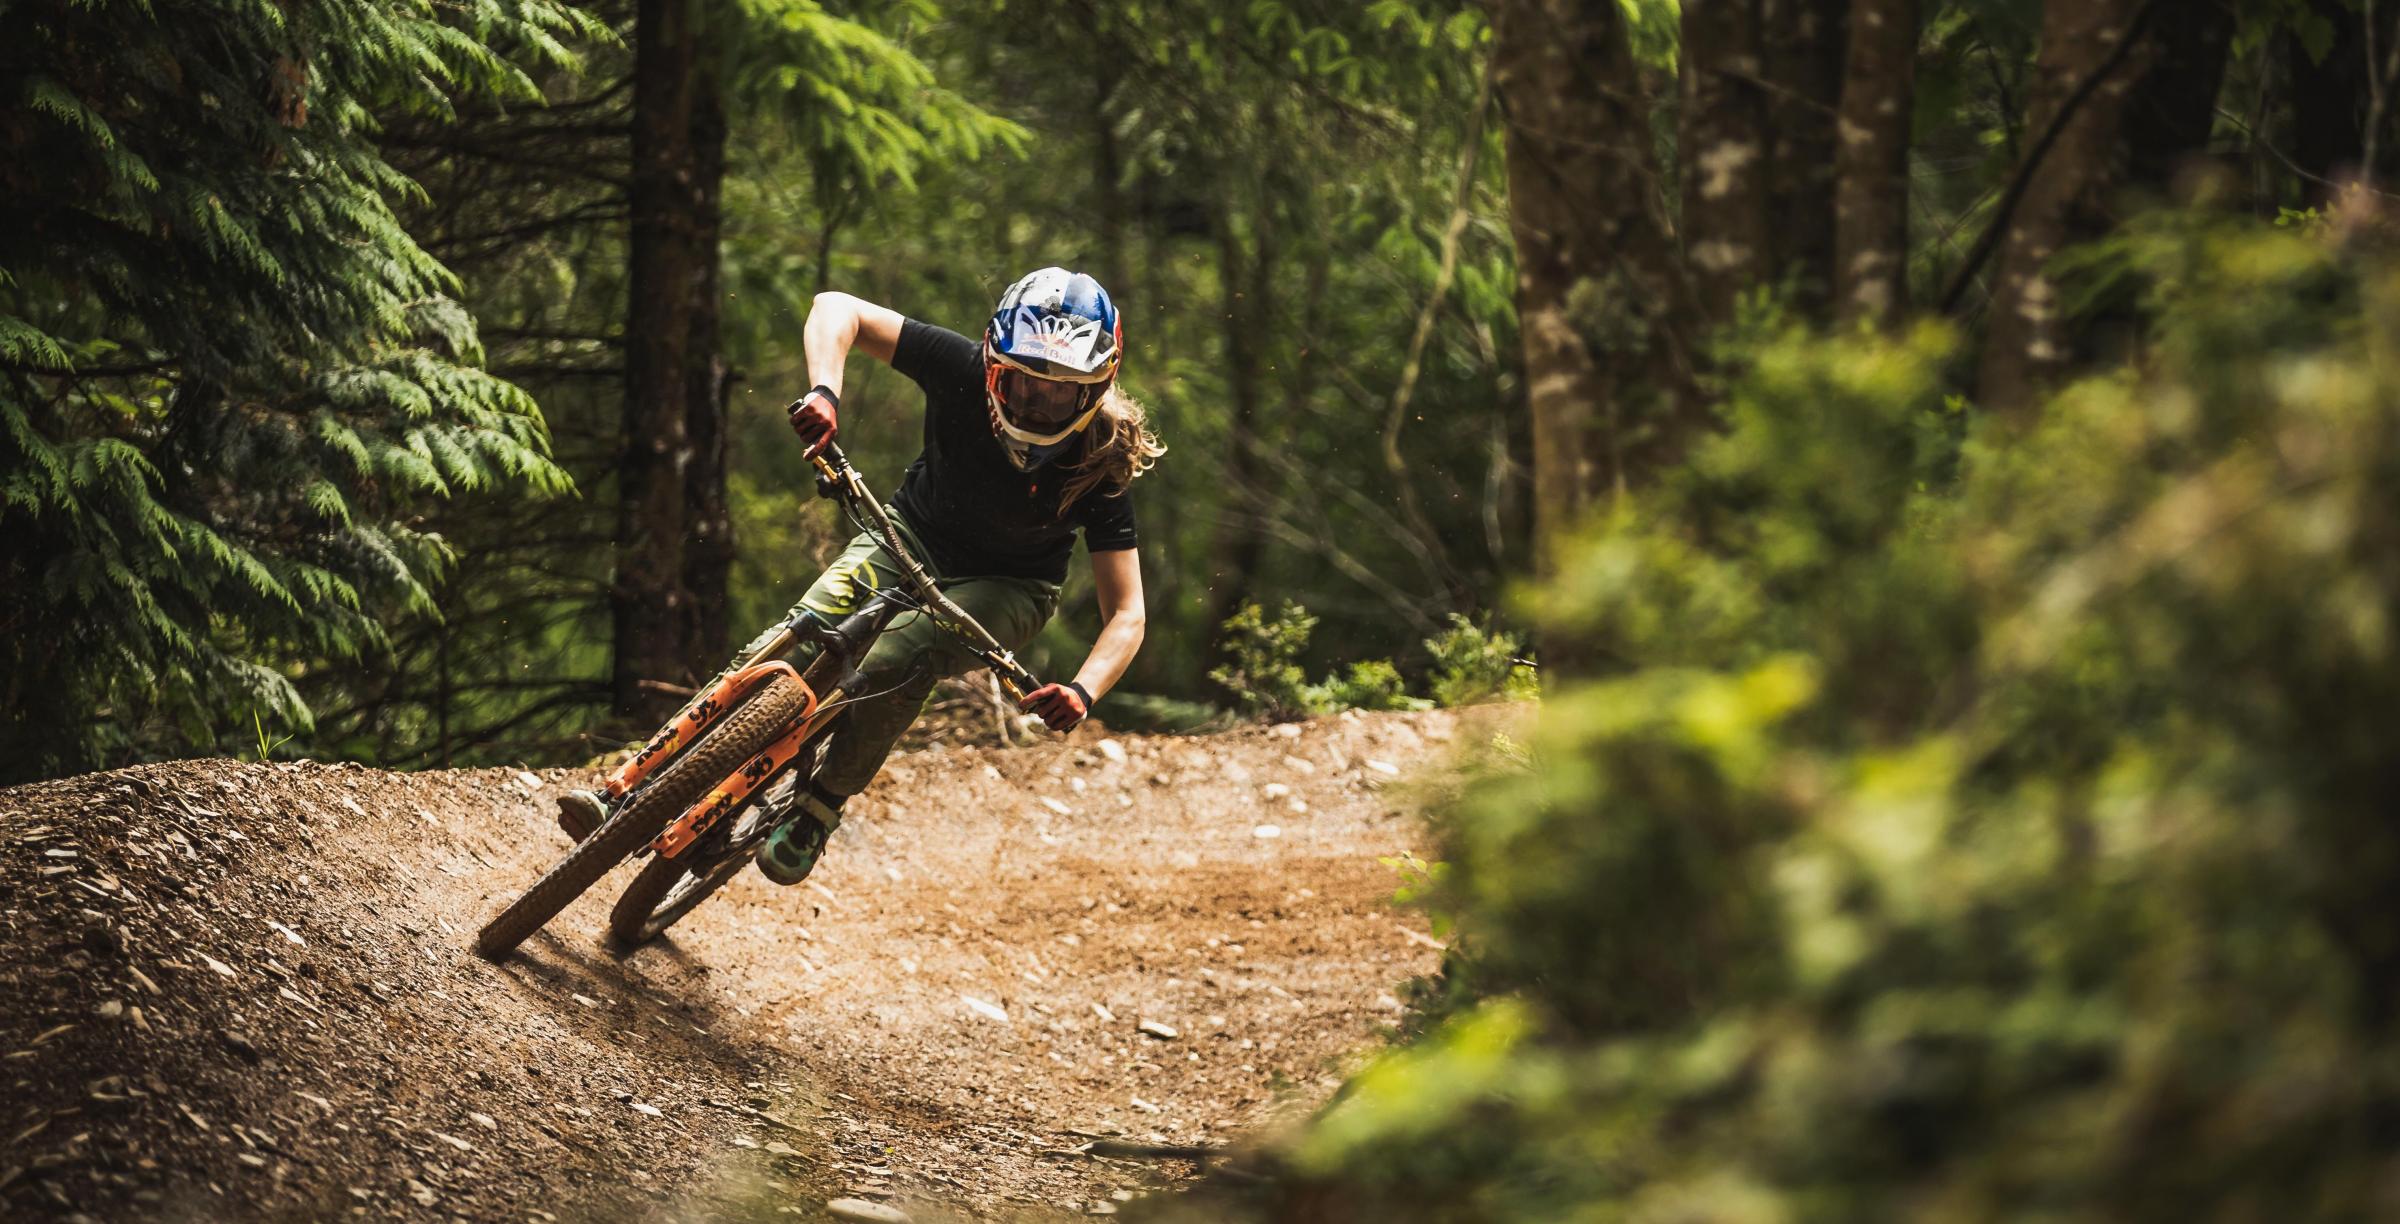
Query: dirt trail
point(245, 991)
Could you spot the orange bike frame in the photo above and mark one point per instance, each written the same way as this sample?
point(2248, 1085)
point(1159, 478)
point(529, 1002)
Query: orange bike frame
point(730, 794)
point(687, 725)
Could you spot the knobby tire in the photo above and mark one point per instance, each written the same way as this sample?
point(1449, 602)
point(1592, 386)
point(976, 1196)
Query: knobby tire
point(748, 729)
point(640, 916)
point(637, 918)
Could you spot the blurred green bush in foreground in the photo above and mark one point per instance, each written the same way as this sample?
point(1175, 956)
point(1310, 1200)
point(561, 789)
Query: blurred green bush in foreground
point(1986, 822)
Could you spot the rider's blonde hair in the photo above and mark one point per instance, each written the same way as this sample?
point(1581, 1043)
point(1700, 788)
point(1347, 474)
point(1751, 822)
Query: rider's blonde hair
point(1119, 446)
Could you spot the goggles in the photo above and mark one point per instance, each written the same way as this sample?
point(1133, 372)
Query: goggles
point(1040, 411)
point(1040, 404)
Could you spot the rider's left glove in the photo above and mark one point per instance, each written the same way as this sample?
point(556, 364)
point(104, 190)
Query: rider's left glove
point(813, 417)
point(1059, 706)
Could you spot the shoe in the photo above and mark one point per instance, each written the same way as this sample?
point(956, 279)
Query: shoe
point(793, 849)
point(580, 812)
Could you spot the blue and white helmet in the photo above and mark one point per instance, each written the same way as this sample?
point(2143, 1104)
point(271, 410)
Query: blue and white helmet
point(1049, 355)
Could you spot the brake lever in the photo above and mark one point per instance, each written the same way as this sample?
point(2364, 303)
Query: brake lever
point(1012, 676)
point(830, 483)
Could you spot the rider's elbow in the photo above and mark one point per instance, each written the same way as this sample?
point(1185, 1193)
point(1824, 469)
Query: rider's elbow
point(1131, 621)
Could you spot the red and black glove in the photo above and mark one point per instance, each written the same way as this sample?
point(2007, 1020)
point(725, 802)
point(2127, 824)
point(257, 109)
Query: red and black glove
point(813, 417)
point(1059, 706)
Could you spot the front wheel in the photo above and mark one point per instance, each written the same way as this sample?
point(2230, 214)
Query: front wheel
point(749, 729)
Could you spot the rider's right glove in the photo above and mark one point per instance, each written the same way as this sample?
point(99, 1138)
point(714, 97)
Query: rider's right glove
point(812, 417)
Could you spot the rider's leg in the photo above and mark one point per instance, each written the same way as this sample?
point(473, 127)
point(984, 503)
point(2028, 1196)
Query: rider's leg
point(899, 673)
point(895, 679)
point(862, 567)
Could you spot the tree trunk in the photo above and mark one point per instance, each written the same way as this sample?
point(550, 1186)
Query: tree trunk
point(1761, 85)
point(1805, 44)
point(1870, 264)
point(1723, 144)
point(1604, 311)
point(671, 267)
point(1245, 280)
point(2129, 87)
point(708, 390)
point(2330, 97)
point(1108, 174)
point(2084, 75)
point(2174, 107)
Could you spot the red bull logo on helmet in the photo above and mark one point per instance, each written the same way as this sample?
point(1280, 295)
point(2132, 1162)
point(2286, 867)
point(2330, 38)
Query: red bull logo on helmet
point(1056, 324)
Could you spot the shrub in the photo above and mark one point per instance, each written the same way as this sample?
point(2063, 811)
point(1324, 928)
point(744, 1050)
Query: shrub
point(1472, 662)
point(1988, 821)
point(1370, 685)
point(1264, 672)
point(1262, 666)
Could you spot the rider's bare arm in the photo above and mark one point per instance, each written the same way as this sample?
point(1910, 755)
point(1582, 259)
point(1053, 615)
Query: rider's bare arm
point(1117, 579)
point(838, 322)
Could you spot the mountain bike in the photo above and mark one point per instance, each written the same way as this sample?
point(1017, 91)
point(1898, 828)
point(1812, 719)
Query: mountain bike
point(694, 797)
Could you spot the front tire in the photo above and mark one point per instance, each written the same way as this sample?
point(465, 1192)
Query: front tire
point(746, 731)
point(667, 889)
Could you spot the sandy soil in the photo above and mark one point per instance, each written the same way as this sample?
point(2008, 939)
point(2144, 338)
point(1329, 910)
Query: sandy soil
point(245, 991)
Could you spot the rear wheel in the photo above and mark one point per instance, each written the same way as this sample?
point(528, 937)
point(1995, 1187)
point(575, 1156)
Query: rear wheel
point(751, 726)
point(667, 889)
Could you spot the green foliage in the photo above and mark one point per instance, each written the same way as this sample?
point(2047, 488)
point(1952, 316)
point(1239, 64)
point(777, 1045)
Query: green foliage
point(1473, 662)
point(1262, 662)
point(1980, 822)
point(867, 111)
point(1370, 684)
point(229, 380)
point(1264, 672)
point(264, 743)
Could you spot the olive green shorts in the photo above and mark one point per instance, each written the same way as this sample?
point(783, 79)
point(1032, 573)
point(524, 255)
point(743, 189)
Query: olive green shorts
point(900, 670)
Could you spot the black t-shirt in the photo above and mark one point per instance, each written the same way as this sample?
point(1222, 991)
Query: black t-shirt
point(976, 514)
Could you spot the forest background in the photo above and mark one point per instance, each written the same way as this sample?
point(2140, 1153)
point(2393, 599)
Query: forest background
point(631, 208)
point(510, 476)
point(1942, 451)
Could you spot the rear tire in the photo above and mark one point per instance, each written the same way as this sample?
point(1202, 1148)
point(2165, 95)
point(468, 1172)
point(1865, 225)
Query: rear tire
point(658, 899)
point(749, 728)
point(640, 915)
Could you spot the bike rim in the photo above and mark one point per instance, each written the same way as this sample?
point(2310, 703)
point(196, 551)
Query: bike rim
point(742, 840)
point(692, 887)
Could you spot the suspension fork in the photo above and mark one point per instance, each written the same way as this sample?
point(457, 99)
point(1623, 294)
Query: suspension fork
point(688, 724)
point(844, 645)
point(705, 707)
point(736, 788)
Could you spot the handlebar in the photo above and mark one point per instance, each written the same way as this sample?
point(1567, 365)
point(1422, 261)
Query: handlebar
point(838, 480)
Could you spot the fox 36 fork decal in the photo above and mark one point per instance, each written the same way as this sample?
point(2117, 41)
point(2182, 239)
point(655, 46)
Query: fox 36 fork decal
point(686, 726)
point(729, 794)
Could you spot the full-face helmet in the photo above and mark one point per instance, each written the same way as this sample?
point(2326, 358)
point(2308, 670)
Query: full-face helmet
point(1049, 355)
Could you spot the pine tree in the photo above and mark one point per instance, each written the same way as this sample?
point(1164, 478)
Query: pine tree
point(229, 379)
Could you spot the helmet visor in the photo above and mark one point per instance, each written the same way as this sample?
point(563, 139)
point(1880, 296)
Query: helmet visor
point(1042, 405)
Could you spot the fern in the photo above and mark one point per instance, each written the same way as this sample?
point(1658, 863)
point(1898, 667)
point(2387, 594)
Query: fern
point(207, 488)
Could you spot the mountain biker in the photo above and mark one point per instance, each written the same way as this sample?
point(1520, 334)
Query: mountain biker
point(1028, 442)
